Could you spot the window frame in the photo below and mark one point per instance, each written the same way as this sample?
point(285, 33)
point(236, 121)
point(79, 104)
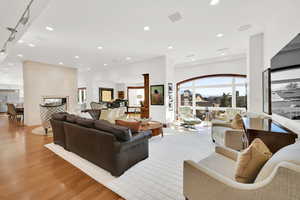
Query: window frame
point(233, 85)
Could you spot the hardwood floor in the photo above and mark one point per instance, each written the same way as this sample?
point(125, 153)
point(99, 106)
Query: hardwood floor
point(29, 171)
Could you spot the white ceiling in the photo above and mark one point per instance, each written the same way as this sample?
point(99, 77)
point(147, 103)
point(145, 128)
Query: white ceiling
point(117, 25)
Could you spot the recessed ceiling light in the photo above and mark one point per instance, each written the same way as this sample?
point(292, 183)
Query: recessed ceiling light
point(48, 28)
point(61, 63)
point(105, 64)
point(146, 28)
point(20, 55)
point(219, 35)
point(89, 69)
point(128, 58)
point(214, 2)
point(77, 57)
point(31, 45)
point(223, 54)
point(20, 41)
point(2, 53)
point(100, 47)
point(170, 47)
point(193, 59)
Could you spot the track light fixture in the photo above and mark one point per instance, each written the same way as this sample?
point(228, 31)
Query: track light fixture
point(23, 21)
point(25, 18)
point(2, 51)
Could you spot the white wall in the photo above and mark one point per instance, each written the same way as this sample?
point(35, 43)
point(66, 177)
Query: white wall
point(131, 74)
point(281, 29)
point(93, 80)
point(46, 80)
point(232, 66)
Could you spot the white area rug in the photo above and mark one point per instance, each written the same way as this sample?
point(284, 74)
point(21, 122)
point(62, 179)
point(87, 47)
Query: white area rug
point(157, 178)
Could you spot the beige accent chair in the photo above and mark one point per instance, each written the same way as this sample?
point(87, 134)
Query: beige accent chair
point(213, 177)
point(224, 135)
point(114, 114)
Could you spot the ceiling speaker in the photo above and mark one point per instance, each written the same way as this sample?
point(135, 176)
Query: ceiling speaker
point(175, 17)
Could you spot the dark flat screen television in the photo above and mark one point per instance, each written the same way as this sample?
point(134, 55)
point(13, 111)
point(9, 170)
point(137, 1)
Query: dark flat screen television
point(285, 81)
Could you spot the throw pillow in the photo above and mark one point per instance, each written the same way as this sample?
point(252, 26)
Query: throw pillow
point(120, 132)
point(89, 123)
point(134, 126)
point(251, 160)
point(237, 122)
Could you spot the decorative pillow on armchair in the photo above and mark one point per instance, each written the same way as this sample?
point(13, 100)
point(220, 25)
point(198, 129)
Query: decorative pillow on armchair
point(251, 160)
point(134, 126)
point(237, 122)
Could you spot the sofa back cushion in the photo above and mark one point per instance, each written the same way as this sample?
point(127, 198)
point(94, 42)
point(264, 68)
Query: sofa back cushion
point(251, 160)
point(290, 153)
point(71, 118)
point(120, 132)
point(89, 123)
point(135, 126)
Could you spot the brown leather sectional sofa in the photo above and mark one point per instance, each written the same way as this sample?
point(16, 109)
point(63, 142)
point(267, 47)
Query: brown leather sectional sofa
point(111, 147)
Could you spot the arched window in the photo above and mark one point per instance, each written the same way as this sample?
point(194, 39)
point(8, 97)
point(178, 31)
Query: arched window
point(212, 92)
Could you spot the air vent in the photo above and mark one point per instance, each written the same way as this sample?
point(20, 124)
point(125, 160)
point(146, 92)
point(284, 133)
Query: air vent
point(175, 17)
point(244, 27)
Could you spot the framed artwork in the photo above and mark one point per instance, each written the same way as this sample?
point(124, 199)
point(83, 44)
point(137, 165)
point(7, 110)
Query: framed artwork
point(106, 94)
point(267, 91)
point(286, 92)
point(157, 95)
point(170, 96)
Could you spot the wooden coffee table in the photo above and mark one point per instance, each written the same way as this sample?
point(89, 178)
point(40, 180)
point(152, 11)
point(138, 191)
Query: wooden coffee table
point(155, 127)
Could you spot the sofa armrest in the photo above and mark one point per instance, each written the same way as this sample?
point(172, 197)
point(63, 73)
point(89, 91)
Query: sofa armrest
point(200, 182)
point(227, 152)
point(234, 139)
point(135, 140)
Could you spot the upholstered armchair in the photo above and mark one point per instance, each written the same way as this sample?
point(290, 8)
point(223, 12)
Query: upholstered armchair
point(223, 134)
point(187, 117)
point(213, 177)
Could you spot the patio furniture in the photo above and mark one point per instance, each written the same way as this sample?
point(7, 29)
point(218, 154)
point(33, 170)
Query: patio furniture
point(187, 117)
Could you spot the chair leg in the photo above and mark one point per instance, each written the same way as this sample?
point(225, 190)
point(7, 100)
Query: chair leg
point(46, 131)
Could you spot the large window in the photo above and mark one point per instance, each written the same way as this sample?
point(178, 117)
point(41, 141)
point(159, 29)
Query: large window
point(213, 92)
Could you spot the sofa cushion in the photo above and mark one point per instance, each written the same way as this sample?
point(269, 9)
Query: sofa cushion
point(61, 116)
point(89, 123)
point(120, 132)
point(220, 164)
point(237, 122)
point(251, 160)
point(290, 153)
point(134, 126)
point(71, 118)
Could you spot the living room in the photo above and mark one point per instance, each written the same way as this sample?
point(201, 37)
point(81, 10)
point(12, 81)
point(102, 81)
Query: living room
point(149, 100)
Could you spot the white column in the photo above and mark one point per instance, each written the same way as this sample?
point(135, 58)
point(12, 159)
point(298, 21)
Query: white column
point(255, 68)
